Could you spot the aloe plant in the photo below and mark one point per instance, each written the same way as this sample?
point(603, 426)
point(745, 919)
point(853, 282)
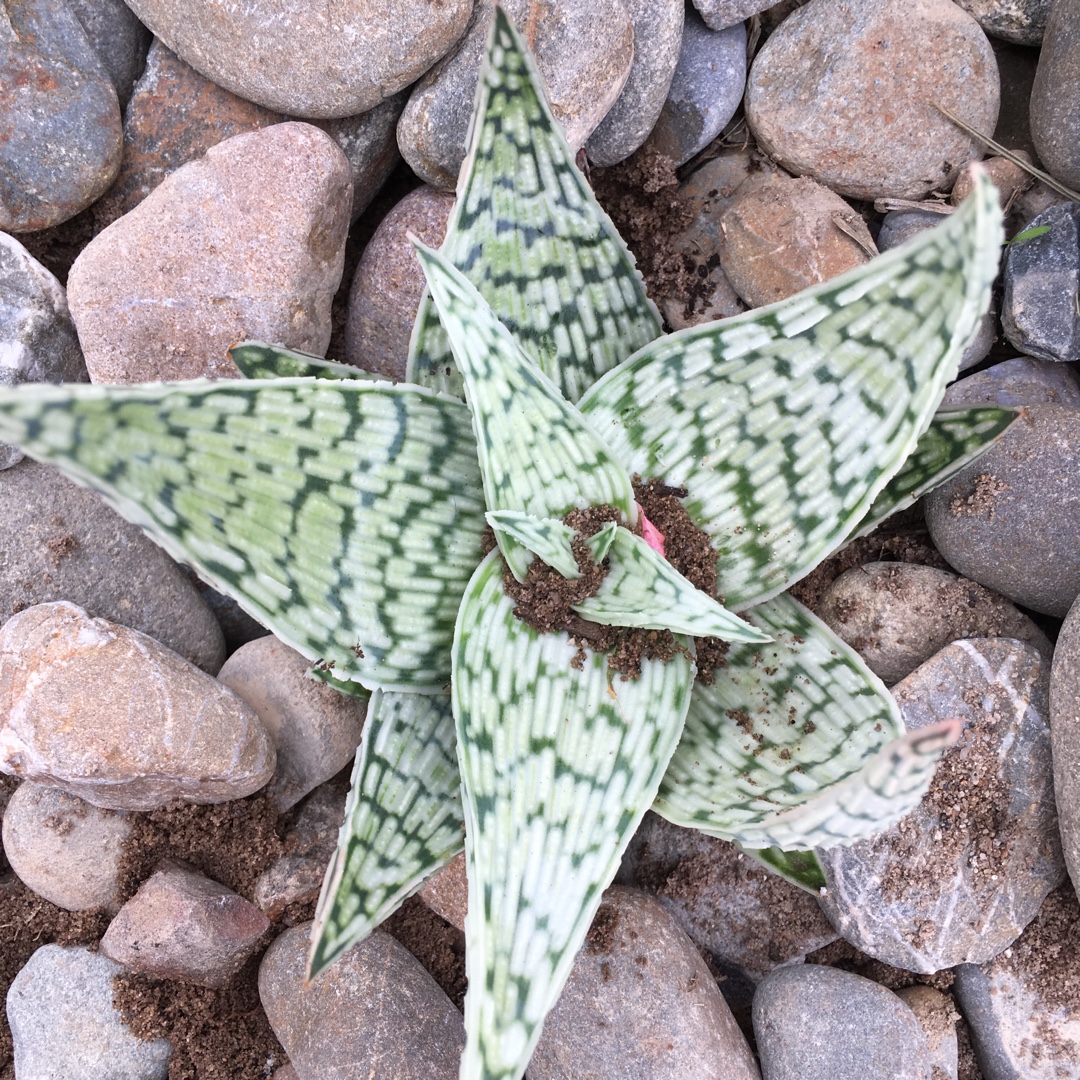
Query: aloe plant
point(348, 516)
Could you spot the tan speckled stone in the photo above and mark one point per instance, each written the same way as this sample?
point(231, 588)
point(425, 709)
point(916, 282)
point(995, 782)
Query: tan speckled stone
point(246, 242)
point(305, 57)
point(389, 283)
point(112, 716)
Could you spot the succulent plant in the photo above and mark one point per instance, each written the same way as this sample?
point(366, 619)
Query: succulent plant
point(348, 515)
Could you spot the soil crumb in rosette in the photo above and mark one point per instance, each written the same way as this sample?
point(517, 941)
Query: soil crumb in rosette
point(545, 599)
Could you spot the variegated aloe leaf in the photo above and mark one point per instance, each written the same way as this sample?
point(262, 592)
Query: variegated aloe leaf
point(536, 454)
point(403, 820)
point(345, 516)
point(558, 766)
point(954, 439)
point(796, 744)
point(528, 233)
point(547, 538)
point(257, 360)
point(785, 423)
point(643, 589)
point(801, 868)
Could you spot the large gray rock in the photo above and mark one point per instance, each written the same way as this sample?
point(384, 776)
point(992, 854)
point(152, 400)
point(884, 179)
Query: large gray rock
point(705, 90)
point(66, 850)
point(841, 92)
point(373, 1012)
point(1020, 381)
point(583, 48)
point(658, 30)
point(112, 716)
point(640, 1004)
point(958, 879)
point(746, 919)
point(821, 1023)
point(1023, 1008)
point(61, 136)
point(897, 615)
point(246, 242)
point(37, 337)
point(1065, 736)
point(1010, 519)
point(304, 58)
point(60, 541)
point(64, 1026)
point(314, 728)
point(1042, 281)
point(119, 39)
point(1055, 119)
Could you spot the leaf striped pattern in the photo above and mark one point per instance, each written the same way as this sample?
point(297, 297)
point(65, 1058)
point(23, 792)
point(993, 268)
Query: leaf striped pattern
point(558, 767)
point(781, 724)
point(403, 820)
point(536, 453)
point(799, 867)
point(547, 538)
point(528, 233)
point(643, 589)
point(257, 360)
point(786, 422)
point(345, 516)
point(954, 439)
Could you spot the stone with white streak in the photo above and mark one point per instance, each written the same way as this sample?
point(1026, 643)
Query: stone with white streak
point(958, 879)
point(112, 716)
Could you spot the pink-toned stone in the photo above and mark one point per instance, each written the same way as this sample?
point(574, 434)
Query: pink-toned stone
point(246, 242)
point(182, 925)
point(844, 91)
point(175, 115)
point(786, 234)
point(298, 875)
point(66, 850)
point(446, 892)
point(114, 717)
point(315, 729)
point(389, 283)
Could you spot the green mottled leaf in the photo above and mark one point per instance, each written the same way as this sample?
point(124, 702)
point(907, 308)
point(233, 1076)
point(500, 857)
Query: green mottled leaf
point(528, 233)
point(799, 867)
point(536, 454)
point(321, 673)
point(780, 732)
point(954, 439)
point(403, 820)
point(257, 360)
point(344, 516)
point(558, 767)
point(547, 538)
point(643, 589)
point(786, 422)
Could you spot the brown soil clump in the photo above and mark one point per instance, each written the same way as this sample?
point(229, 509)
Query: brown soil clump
point(641, 196)
point(843, 955)
point(982, 502)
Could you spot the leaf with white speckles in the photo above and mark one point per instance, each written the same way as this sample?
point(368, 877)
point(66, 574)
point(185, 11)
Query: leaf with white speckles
point(785, 423)
point(955, 438)
point(403, 820)
point(537, 455)
point(558, 767)
point(643, 589)
point(257, 360)
point(344, 516)
point(796, 744)
point(528, 233)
